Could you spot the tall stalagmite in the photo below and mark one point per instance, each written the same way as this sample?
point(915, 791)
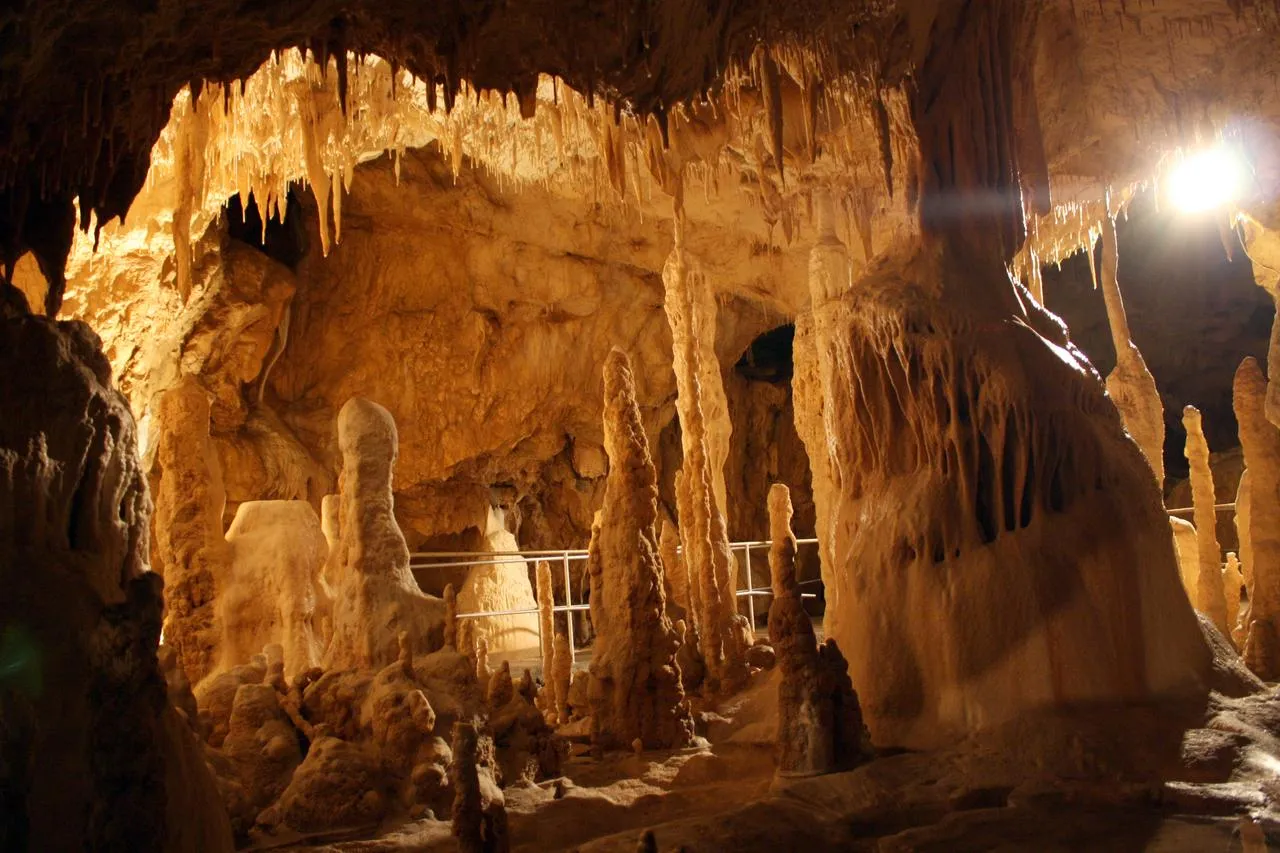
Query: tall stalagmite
point(546, 618)
point(635, 691)
point(376, 596)
point(1261, 442)
point(704, 435)
point(190, 550)
point(1130, 384)
point(1209, 598)
point(819, 721)
point(674, 568)
point(479, 808)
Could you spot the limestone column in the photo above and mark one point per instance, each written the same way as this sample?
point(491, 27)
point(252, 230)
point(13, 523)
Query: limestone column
point(192, 555)
point(1261, 442)
point(1130, 384)
point(635, 691)
point(1209, 597)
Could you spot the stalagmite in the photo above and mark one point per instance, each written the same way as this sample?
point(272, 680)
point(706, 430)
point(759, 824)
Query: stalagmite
point(674, 568)
point(561, 676)
point(500, 585)
point(819, 720)
point(376, 595)
point(635, 690)
point(483, 672)
point(1242, 523)
point(688, 559)
point(190, 550)
point(546, 618)
point(1209, 599)
point(1130, 384)
point(705, 430)
point(479, 808)
point(331, 526)
point(501, 688)
point(1186, 544)
point(450, 618)
point(1232, 581)
point(1261, 442)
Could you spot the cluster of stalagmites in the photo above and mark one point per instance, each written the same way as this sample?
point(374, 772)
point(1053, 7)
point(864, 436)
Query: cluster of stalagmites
point(325, 680)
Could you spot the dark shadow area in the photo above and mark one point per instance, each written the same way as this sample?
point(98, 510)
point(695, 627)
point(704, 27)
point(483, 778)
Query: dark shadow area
point(285, 241)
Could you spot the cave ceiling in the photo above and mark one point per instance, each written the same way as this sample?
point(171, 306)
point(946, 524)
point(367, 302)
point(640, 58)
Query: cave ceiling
point(742, 105)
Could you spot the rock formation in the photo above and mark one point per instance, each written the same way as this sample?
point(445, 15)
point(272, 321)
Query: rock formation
point(92, 755)
point(1209, 600)
point(1186, 545)
point(1261, 441)
point(561, 676)
point(635, 682)
point(1243, 524)
point(450, 618)
point(1130, 384)
point(1035, 467)
point(820, 726)
point(1232, 582)
point(331, 526)
point(705, 427)
point(479, 808)
point(501, 585)
point(674, 570)
point(273, 592)
point(376, 596)
point(190, 550)
point(546, 618)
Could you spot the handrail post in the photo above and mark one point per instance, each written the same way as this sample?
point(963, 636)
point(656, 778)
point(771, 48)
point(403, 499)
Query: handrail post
point(751, 597)
point(568, 600)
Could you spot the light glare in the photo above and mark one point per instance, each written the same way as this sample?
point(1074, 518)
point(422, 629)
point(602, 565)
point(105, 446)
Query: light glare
point(1206, 180)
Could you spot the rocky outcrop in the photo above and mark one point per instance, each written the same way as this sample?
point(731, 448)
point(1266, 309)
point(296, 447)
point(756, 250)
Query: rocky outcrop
point(273, 592)
point(376, 597)
point(820, 726)
point(1209, 599)
point(1261, 441)
point(635, 691)
point(92, 756)
point(190, 550)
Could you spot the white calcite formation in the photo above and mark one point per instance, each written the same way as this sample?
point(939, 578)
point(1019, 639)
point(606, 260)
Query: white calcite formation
point(499, 585)
point(272, 592)
point(1209, 599)
point(376, 597)
point(635, 691)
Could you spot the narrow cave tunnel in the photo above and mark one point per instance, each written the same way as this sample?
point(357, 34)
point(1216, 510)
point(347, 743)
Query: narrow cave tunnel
point(390, 389)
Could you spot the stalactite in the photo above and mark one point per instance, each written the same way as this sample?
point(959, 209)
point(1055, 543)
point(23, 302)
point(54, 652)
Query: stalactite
point(1209, 598)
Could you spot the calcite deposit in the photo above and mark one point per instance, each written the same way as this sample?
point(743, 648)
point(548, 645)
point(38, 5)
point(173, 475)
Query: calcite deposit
point(820, 726)
point(1261, 442)
point(496, 585)
point(635, 691)
point(375, 597)
point(272, 591)
point(1209, 598)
